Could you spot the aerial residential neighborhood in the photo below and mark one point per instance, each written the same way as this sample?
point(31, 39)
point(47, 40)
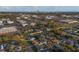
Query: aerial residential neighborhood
point(39, 32)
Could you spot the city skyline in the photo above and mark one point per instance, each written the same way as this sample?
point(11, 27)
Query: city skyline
point(39, 8)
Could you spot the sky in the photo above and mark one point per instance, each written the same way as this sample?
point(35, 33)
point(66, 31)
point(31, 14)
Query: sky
point(39, 8)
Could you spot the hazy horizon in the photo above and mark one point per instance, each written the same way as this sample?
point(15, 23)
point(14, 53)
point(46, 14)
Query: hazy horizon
point(39, 8)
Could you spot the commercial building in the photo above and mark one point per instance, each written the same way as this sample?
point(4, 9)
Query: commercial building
point(5, 30)
point(68, 21)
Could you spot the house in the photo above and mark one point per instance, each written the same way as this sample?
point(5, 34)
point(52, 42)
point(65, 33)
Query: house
point(50, 17)
point(8, 21)
point(32, 38)
point(22, 22)
point(67, 16)
point(33, 24)
point(18, 17)
point(35, 16)
point(1, 22)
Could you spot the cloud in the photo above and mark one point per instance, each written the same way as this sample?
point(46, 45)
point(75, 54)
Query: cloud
point(5, 7)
